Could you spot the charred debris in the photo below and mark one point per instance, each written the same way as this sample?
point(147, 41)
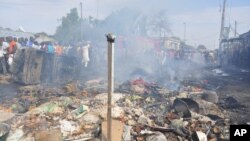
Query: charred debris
point(164, 90)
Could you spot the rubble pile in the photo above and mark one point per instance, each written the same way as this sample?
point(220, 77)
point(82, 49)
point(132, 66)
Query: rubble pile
point(64, 110)
point(65, 114)
point(29, 97)
point(187, 114)
point(6, 79)
point(148, 112)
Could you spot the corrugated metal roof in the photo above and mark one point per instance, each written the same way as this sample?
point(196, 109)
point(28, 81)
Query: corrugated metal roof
point(7, 32)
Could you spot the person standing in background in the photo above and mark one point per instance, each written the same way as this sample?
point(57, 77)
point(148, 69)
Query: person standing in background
point(85, 54)
point(51, 48)
point(11, 50)
point(2, 53)
point(6, 45)
point(58, 49)
point(18, 43)
point(13, 46)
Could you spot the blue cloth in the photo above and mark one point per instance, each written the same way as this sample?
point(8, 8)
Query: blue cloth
point(23, 44)
point(29, 44)
point(51, 49)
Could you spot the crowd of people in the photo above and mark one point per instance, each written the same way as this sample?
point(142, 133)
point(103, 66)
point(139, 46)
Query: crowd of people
point(9, 46)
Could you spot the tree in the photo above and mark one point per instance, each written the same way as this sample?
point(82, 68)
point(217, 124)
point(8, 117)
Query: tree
point(68, 32)
point(158, 24)
point(125, 22)
point(201, 48)
point(121, 22)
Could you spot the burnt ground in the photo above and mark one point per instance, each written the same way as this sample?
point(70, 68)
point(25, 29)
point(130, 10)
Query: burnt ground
point(8, 89)
point(236, 85)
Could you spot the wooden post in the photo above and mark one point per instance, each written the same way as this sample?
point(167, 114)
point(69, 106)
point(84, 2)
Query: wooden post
point(111, 40)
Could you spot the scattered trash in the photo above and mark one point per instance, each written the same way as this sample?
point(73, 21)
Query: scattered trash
point(127, 133)
point(69, 127)
point(145, 111)
point(231, 102)
point(156, 136)
point(143, 120)
point(91, 119)
point(201, 136)
point(117, 112)
point(5, 116)
point(210, 96)
point(15, 135)
point(4, 131)
point(70, 88)
point(103, 98)
point(79, 112)
point(178, 127)
point(220, 72)
point(50, 107)
point(192, 105)
point(48, 135)
point(209, 108)
point(181, 108)
point(216, 130)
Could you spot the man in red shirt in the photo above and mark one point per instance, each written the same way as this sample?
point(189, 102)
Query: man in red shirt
point(12, 48)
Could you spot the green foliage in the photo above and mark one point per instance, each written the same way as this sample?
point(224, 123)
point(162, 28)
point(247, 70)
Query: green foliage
point(201, 48)
point(125, 22)
point(159, 25)
point(69, 30)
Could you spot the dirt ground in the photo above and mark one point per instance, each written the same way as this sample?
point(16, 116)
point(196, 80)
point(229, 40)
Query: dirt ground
point(8, 89)
point(236, 85)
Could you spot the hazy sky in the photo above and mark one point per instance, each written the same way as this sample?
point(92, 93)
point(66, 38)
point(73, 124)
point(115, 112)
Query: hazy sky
point(202, 17)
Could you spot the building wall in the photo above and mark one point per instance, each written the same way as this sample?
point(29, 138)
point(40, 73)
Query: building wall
point(236, 51)
point(170, 43)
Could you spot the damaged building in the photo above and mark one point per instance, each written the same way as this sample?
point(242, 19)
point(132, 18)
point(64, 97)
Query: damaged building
point(236, 51)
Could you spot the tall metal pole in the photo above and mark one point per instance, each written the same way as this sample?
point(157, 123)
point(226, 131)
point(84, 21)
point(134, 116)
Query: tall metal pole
point(235, 28)
point(81, 9)
point(111, 40)
point(222, 31)
point(81, 21)
point(184, 34)
point(97, 9)
point(222, 20)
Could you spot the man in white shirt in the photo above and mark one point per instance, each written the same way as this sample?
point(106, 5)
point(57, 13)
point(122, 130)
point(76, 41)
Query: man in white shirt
point(85, 54)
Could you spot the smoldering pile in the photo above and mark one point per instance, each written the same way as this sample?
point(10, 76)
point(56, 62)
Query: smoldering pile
point(144, 110)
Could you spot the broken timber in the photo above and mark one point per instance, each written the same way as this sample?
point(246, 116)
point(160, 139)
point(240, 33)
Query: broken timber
point(32, 66)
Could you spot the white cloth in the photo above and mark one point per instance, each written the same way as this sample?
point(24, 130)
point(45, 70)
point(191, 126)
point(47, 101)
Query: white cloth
point(36, 46)
point(5, 46)
point(1, 52)
point(3, 49)
point(10, 59)
point(18, 45)
point(85, 54)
